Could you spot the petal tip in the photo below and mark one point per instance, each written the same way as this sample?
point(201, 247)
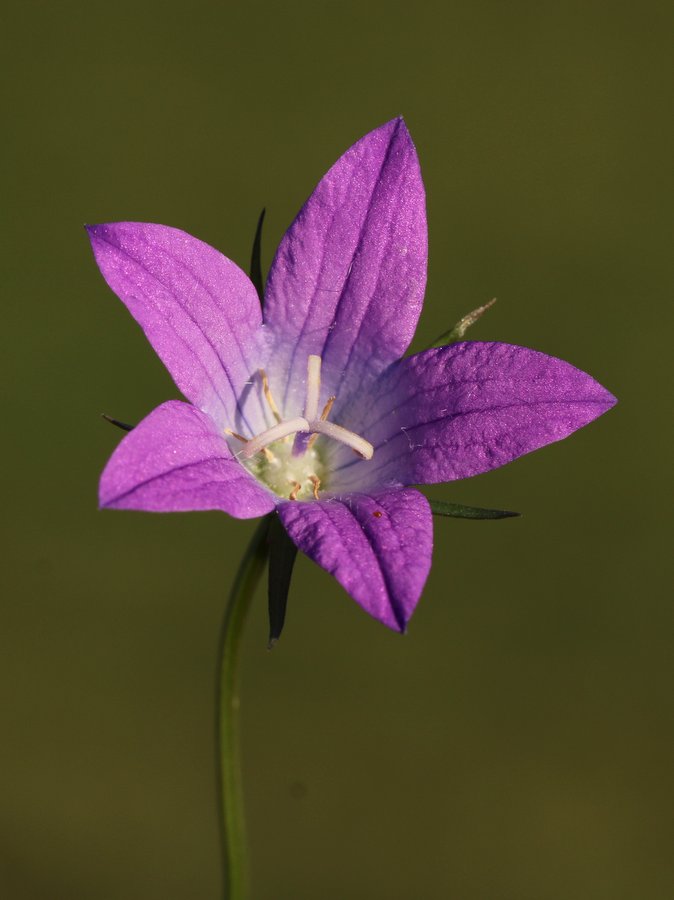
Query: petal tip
point(609, 399)
point(399, 129)
point(95, 233)
point(603, 400)
point(393, 130)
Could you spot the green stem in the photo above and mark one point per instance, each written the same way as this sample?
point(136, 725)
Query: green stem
point(232, 820)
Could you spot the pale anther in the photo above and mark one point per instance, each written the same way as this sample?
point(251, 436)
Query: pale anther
point(316, 482)
point(324, 415)
point(328, 406)
point(235, 434)
point(269, 396)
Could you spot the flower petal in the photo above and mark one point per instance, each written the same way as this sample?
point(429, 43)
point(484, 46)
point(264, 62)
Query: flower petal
point(348, 278)
point(378, 546)
point(198, 309)
point(457, 411)
point(175, 461)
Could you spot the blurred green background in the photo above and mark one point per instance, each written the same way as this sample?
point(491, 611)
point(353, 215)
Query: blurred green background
point(517, 742)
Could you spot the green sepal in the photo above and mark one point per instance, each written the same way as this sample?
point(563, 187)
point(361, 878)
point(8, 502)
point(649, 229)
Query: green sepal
point(457, 332)
point(123, 425)
point(255, 259)
point(459, 511)
point(282, 554)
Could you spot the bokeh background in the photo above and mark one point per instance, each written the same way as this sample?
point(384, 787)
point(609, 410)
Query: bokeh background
point(517, 742)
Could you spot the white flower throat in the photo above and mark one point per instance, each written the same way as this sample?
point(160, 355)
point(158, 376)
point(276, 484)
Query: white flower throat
point(295, 469)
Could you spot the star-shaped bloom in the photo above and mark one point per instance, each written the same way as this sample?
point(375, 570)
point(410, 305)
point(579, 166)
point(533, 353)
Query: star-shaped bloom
point(310, 410)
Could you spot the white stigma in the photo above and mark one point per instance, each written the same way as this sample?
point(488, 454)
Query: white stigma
point(283, 429)
point(313, 388)
point(344, 436)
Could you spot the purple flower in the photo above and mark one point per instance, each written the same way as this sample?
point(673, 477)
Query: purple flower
point(310, 411)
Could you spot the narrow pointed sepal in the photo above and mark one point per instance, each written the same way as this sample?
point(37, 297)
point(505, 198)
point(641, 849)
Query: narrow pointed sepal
point(458, 331)
point(459, 511)
point(256, 258)
point(282, 554)
point(117, 423)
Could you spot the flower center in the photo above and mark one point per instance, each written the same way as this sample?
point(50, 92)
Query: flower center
point(295, 469)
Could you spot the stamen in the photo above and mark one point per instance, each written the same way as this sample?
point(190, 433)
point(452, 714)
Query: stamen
point(324, 415)
point(234, 434)
point(316, 481)
point(283, 429)
point(295, 491)
point(313, 387)
point(355, 441)
point(268, 395)
point(326, 409)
